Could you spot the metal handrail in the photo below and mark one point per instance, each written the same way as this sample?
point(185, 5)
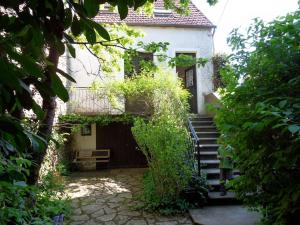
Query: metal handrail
point(197, 144)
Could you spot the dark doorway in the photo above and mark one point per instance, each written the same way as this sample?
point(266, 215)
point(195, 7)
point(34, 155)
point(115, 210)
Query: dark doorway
point(188, 77)
point(124, 150)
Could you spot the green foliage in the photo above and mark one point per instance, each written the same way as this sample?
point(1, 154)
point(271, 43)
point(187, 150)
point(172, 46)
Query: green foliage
point(163, 138)
point(197, 190)
point(183, 60)
point(23, 204)
point(260, 117)
point(99, 119)
point(34, 34)
point(55, 160)
point(220, 63)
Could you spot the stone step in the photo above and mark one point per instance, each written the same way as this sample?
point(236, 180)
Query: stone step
point(209, 147)
point(213, 182)
point(208, 140)
point(208, 153)
point(204, 155)
point(204, 128)
point(202, 123)
point(201, 118)
point(210, 163)
point(211, 134)
point(216, 195)
point(212, 173)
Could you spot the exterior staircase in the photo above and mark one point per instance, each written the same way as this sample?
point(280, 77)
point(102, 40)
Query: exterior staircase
point(207, 135)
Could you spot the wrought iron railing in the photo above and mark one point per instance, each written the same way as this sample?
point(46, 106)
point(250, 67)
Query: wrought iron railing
point(84, 100)
point(196, 142)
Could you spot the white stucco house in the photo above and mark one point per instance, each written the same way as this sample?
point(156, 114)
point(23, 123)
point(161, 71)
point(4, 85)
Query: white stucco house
point(192, 34)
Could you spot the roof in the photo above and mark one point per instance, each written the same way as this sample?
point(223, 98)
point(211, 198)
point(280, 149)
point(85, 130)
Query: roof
point(195, 19)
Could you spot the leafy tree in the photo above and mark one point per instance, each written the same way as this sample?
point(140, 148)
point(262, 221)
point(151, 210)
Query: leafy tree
point(260, 117)
point(220, 61)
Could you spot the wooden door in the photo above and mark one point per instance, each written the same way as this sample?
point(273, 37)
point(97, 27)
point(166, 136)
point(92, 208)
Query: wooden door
point(190, 81)
point(123, 148)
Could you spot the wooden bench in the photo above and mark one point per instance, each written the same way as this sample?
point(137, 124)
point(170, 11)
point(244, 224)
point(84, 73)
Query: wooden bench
point(92, 156)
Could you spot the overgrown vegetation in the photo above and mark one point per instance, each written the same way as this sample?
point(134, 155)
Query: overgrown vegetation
point(220, 61)
point(73, 119)
point(24, 204)
point(34, 34)
point(163, 137)
point(260, 117)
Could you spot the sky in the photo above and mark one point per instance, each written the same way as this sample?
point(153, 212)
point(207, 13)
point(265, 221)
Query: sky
point(230, 14)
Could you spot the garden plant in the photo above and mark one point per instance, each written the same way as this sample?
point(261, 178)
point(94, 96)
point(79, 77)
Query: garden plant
point(260, 117)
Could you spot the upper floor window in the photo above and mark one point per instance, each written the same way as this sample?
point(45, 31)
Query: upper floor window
point(136, 63)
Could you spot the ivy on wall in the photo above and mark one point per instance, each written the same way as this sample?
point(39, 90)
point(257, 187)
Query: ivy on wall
point(77, 119)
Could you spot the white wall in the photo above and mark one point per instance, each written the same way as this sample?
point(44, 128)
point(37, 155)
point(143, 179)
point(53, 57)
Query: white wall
point(84, 142)
point(186, 40)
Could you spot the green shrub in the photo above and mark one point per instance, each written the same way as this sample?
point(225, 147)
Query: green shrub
point(260, 117)
point(21, 203)
point(24, 204)
point(165, 146)
point(163, 137)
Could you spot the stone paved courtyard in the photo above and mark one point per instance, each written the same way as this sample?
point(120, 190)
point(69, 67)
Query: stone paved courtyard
point(109, 197)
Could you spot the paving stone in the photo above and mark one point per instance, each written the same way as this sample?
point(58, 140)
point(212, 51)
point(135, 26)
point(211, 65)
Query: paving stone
point(167, 223)
point(109, 210)
point(129, 213)
point(136, 222)
point(164, 218)
point(91, 222)
point(100, 201)
point(77, 212)
point(120, 219)
point(110, 223)
point(116, 199)
point(125, 195)
point(76, 223)
point(113, 205)
point(106, 218)
point(150, 221)
point(88, 209)
point(98, 213)
point(110, 198)
point(79, 218)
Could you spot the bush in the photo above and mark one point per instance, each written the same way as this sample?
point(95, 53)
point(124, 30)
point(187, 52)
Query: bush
point(21, 203)
point(25, 204)
point(260, 117)
point(163, 138)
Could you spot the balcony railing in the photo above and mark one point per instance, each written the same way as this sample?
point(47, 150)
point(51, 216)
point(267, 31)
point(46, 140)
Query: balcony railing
point(84, 100)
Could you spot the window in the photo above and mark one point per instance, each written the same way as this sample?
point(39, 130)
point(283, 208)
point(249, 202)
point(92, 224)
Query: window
point(136, 62)
point(86, 130)
point(162, 12)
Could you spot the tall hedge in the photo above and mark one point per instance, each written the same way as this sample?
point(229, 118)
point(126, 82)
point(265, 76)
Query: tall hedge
point(260, 117)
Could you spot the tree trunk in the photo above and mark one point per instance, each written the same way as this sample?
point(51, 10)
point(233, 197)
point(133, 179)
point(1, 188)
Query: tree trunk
point(45, 128)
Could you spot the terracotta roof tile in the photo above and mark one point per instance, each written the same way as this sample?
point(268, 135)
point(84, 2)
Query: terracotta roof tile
point(195, 19)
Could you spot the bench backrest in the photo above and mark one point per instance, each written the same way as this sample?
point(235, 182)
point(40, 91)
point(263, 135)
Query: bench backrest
point(98, 153)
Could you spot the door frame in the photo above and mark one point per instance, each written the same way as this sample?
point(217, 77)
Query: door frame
point(195, 54)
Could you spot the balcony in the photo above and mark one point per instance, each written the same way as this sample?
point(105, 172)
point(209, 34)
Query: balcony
point(84, 100)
